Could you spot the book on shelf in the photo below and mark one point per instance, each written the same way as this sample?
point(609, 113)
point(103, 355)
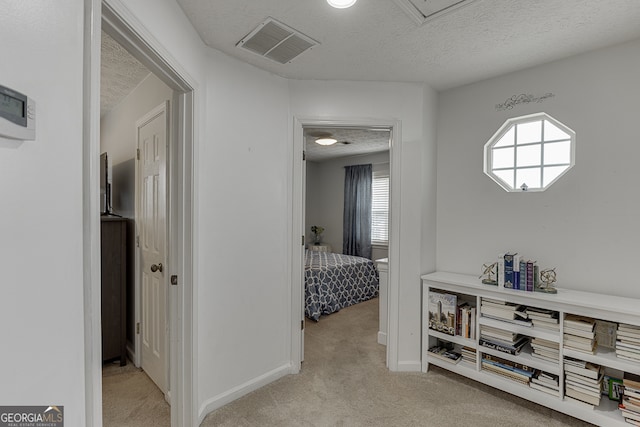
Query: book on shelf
point(500, 273)
point(579, 332)
point(510, 364)
point(508, 271)
point(442, 312)
point(628, 414)
point(503, 346)
point(581, 346)
point(580, 381)
point(544, 388)
point(605, 333)
point(583, 397)
point(579, 402)
point(627, 338)
point(612, 388)
point(630, 404)
point(631, 380)
point(544, 357)
point(505, 373)
point(548, 378)
point(624, 327)
point(589, 370)
point(545, 343)
point(631, 392)
point(582, 388)
point(445, 354)
point(627, 346)
point(579, 322)
point(629, 354)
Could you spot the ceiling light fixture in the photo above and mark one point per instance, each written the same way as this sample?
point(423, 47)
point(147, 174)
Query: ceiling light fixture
point(341, 4)
point(326, 141)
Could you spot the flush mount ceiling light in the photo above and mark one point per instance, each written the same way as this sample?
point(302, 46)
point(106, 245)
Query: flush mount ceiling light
point(341, 4)
point(326, 141)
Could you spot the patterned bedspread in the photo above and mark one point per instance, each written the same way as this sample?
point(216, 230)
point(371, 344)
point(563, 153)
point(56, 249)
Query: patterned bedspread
point(334, 281)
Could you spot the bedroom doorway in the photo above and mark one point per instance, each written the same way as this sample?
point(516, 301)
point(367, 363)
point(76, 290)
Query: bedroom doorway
point(178, 267)
point(314, 206)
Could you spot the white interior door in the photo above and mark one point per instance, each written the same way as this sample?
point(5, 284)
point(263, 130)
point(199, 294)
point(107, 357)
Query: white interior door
point(151, 218)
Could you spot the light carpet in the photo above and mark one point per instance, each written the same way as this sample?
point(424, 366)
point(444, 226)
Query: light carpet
point(131, 399)
point(344, 382)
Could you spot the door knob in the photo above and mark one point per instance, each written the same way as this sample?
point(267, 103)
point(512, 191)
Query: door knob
point(155, 267)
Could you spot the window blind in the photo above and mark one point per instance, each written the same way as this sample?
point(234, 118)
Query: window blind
point(380, 208)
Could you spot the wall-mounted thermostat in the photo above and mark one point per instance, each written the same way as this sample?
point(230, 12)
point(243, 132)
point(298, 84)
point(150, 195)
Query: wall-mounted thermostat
point(17, 115)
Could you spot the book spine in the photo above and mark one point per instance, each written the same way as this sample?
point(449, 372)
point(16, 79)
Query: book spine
point(536, 277)
point(508, 271)
point(501, 270)
point(529, 273)
point(523, 276)
point(494, 346)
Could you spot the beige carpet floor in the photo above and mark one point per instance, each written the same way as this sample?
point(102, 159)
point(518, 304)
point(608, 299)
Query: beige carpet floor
point(344, 382)
point(131, 399)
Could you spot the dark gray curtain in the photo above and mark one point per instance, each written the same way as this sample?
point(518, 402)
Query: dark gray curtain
point(356, 235)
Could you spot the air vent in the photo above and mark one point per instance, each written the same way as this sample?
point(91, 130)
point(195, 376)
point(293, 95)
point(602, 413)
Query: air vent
point(276, 41)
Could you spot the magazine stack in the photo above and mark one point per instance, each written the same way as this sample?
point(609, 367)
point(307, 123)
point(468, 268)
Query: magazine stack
point(583, 381)
point(580, 333)
point(628, 342)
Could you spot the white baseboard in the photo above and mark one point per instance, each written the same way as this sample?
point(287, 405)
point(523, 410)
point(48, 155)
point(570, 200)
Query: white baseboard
point(410, 366)
point(382, 338)
point(228, 396)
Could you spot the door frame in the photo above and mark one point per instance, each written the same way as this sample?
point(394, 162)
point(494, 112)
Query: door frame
point(297, 228)
point(114, 17)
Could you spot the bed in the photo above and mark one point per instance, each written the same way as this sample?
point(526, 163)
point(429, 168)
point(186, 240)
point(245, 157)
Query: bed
point(335, 281)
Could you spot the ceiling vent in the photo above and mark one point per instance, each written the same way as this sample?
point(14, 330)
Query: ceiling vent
point(276, 41)
point(421, 11)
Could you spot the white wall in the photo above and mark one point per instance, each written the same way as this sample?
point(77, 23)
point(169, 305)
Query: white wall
point(586, 224)
point(244, 296)
point(118, 139)
point(41, 302)
point(398, 101)
point(325, 197)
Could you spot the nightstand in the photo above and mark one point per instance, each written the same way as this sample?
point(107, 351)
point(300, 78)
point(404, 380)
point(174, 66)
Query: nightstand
point(319, 247)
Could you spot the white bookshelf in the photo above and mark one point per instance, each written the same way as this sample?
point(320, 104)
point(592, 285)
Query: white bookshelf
point(598, 306)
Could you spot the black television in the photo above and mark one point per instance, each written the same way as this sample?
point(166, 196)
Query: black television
point(105, 185)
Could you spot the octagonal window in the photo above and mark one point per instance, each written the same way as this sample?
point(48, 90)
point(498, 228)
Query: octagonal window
point(529, 153)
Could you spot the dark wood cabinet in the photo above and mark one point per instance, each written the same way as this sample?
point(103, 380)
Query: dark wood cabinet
point(113, 236)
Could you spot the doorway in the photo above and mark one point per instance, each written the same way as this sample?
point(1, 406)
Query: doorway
point(299, 226)
point(179, 265)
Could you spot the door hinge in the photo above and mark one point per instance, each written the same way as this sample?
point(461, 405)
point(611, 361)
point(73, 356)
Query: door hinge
point(138, 328)
point(303, 240)
point(304, 155)
point(174, 279)
point(138, 153)
point(138, 241)
point(302, 325)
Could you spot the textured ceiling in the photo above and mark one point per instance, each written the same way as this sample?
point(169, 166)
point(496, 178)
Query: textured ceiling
point(376, 40)
point(351, 142)
point(120, 74)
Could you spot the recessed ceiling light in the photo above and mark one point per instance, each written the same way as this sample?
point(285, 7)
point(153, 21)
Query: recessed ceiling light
point(341, 4)
point(326, 141)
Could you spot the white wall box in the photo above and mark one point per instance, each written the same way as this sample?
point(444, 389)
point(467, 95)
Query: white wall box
point(597, 306)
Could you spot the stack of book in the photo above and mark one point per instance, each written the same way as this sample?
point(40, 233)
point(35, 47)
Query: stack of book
point(630, 403)
point(516, 272)
point(468, 355)
point(546, 382)
point(501, 340)
point(542, 318)
point(583, 381)
point(628, 342)
point(505, 311)
point(545, 350)
point(446, 354)
point(508, 369)
point(580, 334)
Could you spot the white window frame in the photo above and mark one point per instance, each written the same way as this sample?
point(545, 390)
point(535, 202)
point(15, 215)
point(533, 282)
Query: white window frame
point(377, 175)
point(512, 123)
